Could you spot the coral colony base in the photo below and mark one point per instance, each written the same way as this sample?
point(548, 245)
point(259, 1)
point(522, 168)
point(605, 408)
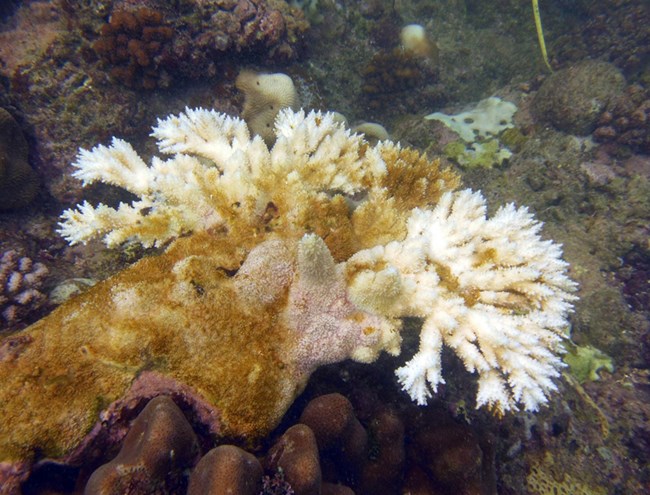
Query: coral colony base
point(279, 260)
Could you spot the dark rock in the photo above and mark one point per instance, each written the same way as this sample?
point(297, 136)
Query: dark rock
point(451, 454)
point(18, 182)
point(333, 489)
point(384, 470)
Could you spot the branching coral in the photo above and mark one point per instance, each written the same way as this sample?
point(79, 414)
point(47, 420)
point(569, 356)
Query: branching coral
point(491, 289)
point(488, 288)
point(281, 260)
point(20, 287)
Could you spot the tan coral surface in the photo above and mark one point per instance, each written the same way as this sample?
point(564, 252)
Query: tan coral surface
point(186, 314)
point(176, 314)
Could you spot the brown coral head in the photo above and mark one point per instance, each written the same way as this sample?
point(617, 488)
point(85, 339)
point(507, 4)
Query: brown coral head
point(131, 45)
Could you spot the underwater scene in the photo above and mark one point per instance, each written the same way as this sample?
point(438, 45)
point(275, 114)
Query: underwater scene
point(337, 247)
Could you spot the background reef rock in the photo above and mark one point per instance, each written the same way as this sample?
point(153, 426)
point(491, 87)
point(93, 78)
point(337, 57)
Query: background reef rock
point(18, 182)
point(67, 63)
point(149, 44)
point(592, 194)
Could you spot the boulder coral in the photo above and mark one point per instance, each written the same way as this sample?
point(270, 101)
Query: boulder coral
point(573, 99)
point(277, 261)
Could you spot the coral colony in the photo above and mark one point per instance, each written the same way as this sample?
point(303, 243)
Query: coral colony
point(278, 260)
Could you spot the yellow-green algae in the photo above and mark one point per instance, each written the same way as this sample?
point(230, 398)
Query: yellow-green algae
point(585, 362)
point(86, 353)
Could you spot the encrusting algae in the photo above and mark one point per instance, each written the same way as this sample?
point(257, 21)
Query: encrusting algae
point(278, 261)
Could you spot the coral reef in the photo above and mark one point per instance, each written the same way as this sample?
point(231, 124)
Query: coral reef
point(295, 454)
point(393, 450)
point(626, 120)
point(573, 99)
point(146, 45)
point(226, 469)
point(134, 44)
point(18, 182)
point(159, 446)
point(279, 261)
point(592, 197)
point(20, 287)
point(612, 30)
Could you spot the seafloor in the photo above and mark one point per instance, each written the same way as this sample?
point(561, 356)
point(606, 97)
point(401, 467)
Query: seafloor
point(580, 159)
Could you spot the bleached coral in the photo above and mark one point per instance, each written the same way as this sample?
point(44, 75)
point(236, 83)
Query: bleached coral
point(490, 289)
point(380, 234)
point(218, 175)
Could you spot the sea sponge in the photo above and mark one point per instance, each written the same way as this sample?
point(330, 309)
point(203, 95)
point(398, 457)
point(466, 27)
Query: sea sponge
point(265, 95)
point(18, 181)
point(479, 129)
point(372, 131)
point(585, 362)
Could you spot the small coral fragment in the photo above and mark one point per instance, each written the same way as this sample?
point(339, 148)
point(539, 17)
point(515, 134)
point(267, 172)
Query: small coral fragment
point(265, 95)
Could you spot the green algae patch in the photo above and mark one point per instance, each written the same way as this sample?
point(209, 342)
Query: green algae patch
point(585, 362)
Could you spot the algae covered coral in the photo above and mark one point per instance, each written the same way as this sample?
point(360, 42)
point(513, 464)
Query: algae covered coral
point(277, 261)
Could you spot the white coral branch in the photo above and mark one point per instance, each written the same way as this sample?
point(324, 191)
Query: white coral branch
point(205, 133)
point(490, 289)
point(118, 164)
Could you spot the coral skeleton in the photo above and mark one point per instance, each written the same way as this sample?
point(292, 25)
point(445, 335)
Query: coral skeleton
point(488, 288)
